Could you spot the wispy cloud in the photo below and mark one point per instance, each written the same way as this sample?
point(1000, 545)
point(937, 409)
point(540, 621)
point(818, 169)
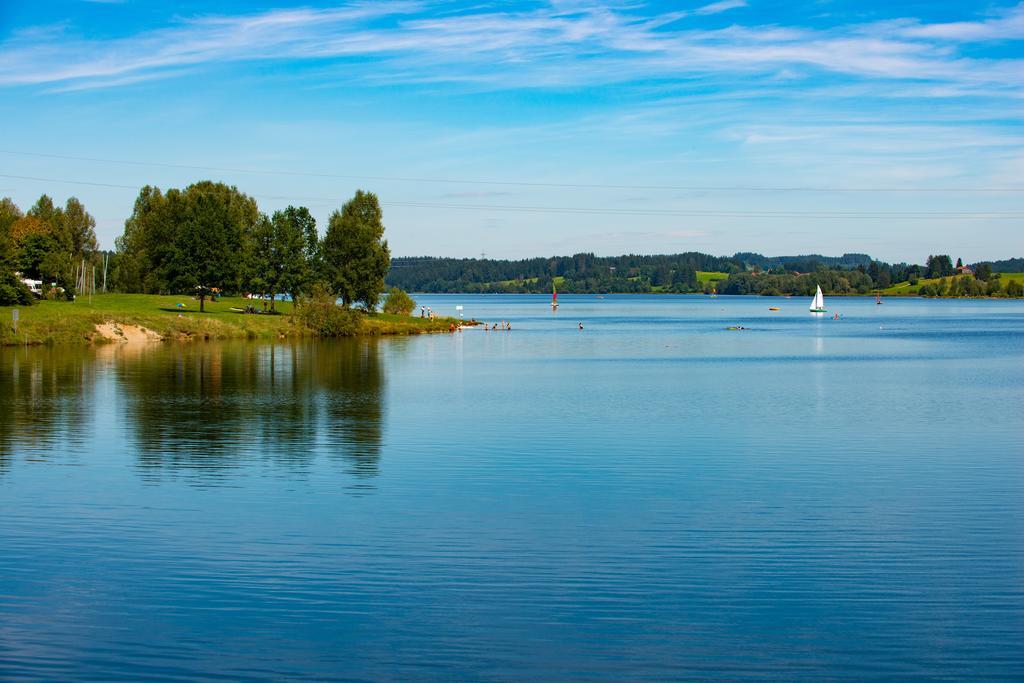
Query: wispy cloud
point(554, 46)
point(1007, 24)
point(722, 6)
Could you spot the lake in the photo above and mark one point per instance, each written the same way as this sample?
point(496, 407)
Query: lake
point(654, 497)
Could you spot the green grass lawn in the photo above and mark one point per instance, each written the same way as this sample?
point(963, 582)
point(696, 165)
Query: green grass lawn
point(907, 289)
point(704, 276)
point(61, 322)
point(1016, 277)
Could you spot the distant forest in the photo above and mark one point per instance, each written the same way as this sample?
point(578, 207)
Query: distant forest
point(694, 272)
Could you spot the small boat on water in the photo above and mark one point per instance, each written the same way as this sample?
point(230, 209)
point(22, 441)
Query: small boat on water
point(554, 297)
point(773, 308)
point(818, 304)
point(878, 298)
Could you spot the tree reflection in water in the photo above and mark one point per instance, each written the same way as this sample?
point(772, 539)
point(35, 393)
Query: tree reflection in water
point(44, 403)
point(205, 409)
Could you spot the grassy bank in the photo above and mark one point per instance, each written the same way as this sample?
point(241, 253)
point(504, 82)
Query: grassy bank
point(62, 322)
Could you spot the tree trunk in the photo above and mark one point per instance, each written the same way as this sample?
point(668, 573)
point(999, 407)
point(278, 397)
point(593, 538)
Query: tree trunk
point(202, 298)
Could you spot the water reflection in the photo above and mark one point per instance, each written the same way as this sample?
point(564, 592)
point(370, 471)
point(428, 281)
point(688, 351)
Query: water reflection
point(206, 409)
point(200, 410)
point(44, 402)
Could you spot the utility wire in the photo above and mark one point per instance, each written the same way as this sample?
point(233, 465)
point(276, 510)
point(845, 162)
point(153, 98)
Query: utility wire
point(515, 183)
point(870, 215)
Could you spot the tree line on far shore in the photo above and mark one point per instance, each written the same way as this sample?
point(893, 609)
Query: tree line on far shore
point(204, 239)
point(743, 273)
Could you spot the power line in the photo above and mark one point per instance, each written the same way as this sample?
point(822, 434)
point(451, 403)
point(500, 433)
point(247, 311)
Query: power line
point(699, 213)
point(717, 213)
point(516, 183)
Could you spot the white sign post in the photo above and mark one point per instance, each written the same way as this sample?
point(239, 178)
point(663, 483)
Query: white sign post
point(14, 317)
point(459, 309)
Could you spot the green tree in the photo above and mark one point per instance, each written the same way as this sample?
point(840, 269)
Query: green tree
point(276, 254)
point(49, 253)
point(213, 221)
point(258, 255)
point(45, 210)
point(12, 290)
point(355, 256)
point(295, 250)
point(185, 241)
point(9, 215)
point(80, 228)
point(397, 302)
point(939, 266)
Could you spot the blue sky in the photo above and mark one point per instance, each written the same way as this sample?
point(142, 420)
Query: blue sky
point(523, 129)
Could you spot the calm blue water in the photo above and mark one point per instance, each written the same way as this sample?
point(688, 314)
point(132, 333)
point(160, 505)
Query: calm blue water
point(653, 498)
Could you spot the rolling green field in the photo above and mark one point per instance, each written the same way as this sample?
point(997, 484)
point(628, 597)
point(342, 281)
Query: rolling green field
point(907, 289)
point(64, 322)
point(1016, 277)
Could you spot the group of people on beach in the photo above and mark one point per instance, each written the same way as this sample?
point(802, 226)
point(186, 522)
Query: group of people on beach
point(425, 312)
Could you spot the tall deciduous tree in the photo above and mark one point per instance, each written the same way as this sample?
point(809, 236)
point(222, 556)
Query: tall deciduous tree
point(9, 215)
point(12, 291)
point(355, 255)
point(185, 241)
point(208, 246)
point(276, 254)
point(295, 248)
point(257, 271)
point(80, 228)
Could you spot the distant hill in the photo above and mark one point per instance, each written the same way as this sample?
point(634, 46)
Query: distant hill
point(1013, 265)
point(809, 260)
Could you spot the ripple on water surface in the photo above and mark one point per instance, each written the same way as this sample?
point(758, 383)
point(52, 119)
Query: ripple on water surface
point(654, 498)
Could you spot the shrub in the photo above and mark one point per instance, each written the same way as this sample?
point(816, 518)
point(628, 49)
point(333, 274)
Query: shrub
point(321, 314)
point(398, 302)
point(13, 291)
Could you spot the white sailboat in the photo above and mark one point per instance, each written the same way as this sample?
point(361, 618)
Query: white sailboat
point(818, 305)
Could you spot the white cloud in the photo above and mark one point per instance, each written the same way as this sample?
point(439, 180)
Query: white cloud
point(1008, 25)
point(722, 6)
point(556, 46)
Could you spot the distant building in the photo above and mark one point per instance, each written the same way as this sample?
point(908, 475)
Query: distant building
point(964, 270)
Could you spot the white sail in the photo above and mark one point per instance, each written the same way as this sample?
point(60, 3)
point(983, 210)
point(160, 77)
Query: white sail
point(819, 301)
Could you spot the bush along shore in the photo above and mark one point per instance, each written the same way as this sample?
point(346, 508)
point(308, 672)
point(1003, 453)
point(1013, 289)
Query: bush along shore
point(132, 318)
